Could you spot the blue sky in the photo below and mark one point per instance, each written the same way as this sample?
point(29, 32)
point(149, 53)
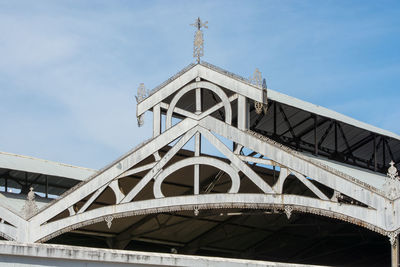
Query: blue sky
point(69, 69)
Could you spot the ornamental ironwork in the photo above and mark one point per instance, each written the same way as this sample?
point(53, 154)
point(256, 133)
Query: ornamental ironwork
point(30, 206)
point(198, 43)
point(258, 81)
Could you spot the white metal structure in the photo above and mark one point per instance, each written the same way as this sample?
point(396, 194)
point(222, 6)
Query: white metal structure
point(358, 196)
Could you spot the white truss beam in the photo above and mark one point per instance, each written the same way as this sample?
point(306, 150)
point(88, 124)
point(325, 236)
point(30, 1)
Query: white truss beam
point(120, 166)
point(252, 175)
point(310, 185)
point(205, 73)
point(158, 167)
point(294, 162)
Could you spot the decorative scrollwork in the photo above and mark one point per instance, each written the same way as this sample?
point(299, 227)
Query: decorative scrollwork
point(392, 185)
point(196, 211)
point(258, 106)
point(30, 206)
point(257, 80)
point(288, 211)
point(109, 220)
point(198, 44)
point(392, 237)
point(392, 171)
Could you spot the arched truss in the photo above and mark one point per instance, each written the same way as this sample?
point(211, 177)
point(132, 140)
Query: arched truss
point(209, 201)
point(197, 160)
point(272, 197)
point(204, 85)
point(371, 208)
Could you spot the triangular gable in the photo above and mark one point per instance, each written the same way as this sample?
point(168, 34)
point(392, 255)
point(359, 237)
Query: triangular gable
point(204, 72)
point(243, 87)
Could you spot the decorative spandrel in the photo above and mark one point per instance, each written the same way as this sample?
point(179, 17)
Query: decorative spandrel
point(257, 80)
point(198, 44)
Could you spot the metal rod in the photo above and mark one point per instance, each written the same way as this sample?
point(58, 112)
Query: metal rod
point(375, 163)
point(383, 152)
point(47, 186)
point(336, 140)
point(274, 118)
point(315, 135)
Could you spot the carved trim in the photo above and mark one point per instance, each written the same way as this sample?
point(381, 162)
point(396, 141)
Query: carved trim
point(209, 206)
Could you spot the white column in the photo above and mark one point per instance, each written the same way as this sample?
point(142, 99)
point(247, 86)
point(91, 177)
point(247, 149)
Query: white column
point(197, 146)
point(156, 120)
point(242, 112)
point(395, 253)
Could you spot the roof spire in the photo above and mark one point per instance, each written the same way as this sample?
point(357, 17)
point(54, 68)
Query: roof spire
point(198, 44)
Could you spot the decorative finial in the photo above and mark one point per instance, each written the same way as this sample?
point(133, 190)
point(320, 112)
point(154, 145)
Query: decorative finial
point(198, 44)
point(257, 80)
point(141, 95)
point(30, 207)
point(392, 171)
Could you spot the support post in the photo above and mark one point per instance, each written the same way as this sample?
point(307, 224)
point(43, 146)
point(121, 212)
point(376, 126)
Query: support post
point(198, 100)
point(47, 186)
point(395, 252)
point(197, 147)
point(336, 139)
point(383, 153)
point(156, 120)
point(375, 157)
point(242, 112)
point(197, 144)
point(274, 118)
point(315, 135)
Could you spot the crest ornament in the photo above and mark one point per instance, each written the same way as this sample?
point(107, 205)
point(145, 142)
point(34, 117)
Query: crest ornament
point(198, 43)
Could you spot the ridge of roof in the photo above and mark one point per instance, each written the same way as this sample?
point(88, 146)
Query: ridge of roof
point(324, 164)
point(94, 175)
point(286, 99)
point(47, 161)
point(30, 164)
